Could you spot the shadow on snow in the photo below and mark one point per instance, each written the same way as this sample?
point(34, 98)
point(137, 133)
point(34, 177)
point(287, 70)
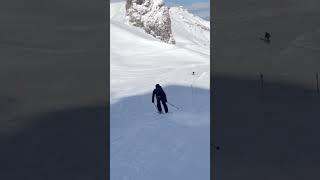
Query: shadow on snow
point(272, 134)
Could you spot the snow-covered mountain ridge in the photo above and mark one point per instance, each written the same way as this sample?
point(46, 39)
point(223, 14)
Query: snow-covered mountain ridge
point(164, 23)
point(188, 27)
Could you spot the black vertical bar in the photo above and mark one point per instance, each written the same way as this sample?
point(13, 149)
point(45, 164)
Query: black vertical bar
point(261, 83)
point(107, 121)
point(212, 95)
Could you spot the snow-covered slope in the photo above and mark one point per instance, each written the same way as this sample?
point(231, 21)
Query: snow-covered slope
point(188, 28)
point(144, 144)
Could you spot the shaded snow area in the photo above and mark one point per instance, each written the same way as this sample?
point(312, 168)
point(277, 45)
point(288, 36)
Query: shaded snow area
point(267, 128)
point(146, 145)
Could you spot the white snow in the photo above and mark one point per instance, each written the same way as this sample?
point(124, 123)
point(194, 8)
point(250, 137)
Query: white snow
point(145, 145)
point(158, 2)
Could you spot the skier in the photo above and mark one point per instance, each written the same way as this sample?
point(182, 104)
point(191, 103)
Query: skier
point(161, 96)
point(267, 36)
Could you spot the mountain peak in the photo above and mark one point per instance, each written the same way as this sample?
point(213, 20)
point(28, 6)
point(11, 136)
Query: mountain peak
point(152, 16)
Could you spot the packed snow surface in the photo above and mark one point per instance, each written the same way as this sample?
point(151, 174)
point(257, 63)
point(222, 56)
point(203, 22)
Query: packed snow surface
point(146, 145)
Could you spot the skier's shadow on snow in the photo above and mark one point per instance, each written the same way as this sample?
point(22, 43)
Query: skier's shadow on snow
point(184, 100)
point(270, 134)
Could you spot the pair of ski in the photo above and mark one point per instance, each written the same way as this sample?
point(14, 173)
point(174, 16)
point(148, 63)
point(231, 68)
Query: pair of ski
point(265, 40)
point(168, 111)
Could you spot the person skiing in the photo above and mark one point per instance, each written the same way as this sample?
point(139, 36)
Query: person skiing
point(267, 36)
point(161, 97)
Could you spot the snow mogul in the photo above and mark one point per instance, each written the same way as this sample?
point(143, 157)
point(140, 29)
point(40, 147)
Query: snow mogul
point(161, 97)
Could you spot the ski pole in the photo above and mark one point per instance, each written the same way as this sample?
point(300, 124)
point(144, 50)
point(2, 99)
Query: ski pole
point(173, 105)
point(155, 106)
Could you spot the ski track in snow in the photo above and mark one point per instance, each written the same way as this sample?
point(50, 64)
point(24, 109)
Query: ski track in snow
point(144, 144)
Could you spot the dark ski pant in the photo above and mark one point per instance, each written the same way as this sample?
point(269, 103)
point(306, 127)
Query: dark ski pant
point(164, 105)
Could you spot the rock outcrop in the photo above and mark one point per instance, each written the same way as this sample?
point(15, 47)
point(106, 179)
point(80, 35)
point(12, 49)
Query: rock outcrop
point(152, 16)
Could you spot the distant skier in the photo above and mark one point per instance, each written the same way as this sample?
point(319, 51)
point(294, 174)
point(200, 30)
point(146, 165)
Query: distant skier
point(161, 96)
point(267, 36)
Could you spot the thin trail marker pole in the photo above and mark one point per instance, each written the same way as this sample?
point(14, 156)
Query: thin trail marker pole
point(317, 77)
point(192, 90)
point(191, 93)
point(261, 82)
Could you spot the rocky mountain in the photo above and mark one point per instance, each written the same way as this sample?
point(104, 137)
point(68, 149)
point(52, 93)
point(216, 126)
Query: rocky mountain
point(152, 16)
